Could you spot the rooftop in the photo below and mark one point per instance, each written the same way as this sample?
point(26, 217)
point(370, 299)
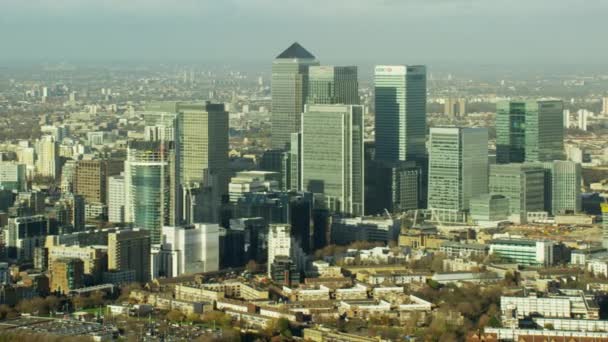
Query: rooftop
point(295, 51)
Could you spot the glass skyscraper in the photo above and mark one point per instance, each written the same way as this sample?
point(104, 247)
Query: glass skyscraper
point(563, 187)
point(333, 85)
point(289, 90)
point(332, 156)
point(523, 184)
point(150, 186)
point(458, 169)
point(529, 131)
point(400, 102)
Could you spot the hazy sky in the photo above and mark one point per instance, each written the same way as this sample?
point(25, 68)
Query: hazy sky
point(377, 31)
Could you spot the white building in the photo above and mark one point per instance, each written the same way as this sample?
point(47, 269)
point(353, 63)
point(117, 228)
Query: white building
point(187, 250)
point(47, 151)
point(279, 242)
point(116, 199)
point(252, 181)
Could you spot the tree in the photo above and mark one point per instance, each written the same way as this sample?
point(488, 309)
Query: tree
point(175, 316)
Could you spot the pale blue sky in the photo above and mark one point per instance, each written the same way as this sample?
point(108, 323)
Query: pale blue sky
point(382, 31)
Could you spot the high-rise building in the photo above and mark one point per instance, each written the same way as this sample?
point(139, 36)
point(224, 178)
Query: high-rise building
point(67, 274)
point(91, 178)
point(458, 169)
point(332, 156)
point(150, 184)
point(566, 118)
point(116, 199)
point(130, 250)
point(400, 102)
point(563, 187)
point(69, 211)
point(47, 150)
point(289, 92)
point(529, 131)
point(23, 234)
point(94, 258)
point(523, 184)
point(455, 107)
point(332, 85)
point(583, 116)
point(605, 105)
point(279, 243)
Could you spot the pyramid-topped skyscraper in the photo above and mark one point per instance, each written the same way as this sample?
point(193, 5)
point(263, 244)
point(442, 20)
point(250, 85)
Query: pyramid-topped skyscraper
point(289, 92)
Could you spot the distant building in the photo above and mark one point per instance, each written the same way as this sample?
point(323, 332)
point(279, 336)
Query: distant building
point(529, 131)
point(563, 187)
point(91, 178)
point(252, 181)
point(116, 199)
point(13, 176)
point(332, 85)
point(23, 235)
point(489, 208)
point(347, 230)
point(458, 164)
point(47, 150)
point(604, 207)
point(289, 92)
point(523, 184)
point(400, 100)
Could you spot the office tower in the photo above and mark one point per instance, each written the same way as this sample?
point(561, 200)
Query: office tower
point(278, 161)
point(523, 184)
point(130, 250)
point(332, 156)
point(332, 85)
point(279, 243)
point(289, 91)
point(458, 169)
point(566, 118)
point(489, 208)
point(91, 178)
point(150, 185)
point(232, 248)
point(47, 163)
point(160, 125)
point(454, 107)
point(400, 100)
point(563, 187)
point(23, 234)
point(66, 275)
point(189, 249)
point(605, 105)
point(529, 131)
point(301, 220)
point(116, 199)
point(604, 208)
point(13, 176)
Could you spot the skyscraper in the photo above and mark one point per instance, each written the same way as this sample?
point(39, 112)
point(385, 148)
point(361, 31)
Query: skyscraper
point(529, 131)
point(91, 178)
point(333, 85)
point(150, 186)
point(458, 169)
point(400, 100)
point(604, 208)
point(332, 156)
point(523, 184)
point(563, 187)
point(116, 199)
point(279, 243)
point(289, 91)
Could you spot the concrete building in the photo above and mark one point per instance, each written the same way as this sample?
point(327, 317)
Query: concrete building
point(279, 243)
point(66, 275)
point(488, 208)
point(252, 181)
point(91, 178)
point(23, 234)
point(116, 199)
point(187, 250)
point(13, 176)
point(130, 250)
point(524, 252)
point(347, 230)
point(47, 151)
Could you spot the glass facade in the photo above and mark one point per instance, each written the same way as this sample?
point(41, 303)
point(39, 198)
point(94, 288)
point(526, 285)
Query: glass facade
point(400, 100)
point(332, 156)
point(457, 167)
point(333, 85)
point(529, 131)
point(523, 184)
